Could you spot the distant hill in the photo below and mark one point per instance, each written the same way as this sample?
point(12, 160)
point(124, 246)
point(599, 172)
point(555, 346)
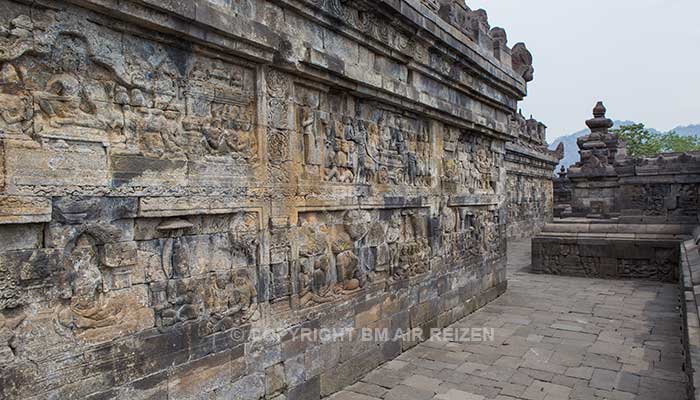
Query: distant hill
point(689, 130)
point(571, 155)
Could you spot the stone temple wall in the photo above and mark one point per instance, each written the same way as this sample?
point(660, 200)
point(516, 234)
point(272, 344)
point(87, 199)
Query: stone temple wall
point(179, 176)
point(530, 195)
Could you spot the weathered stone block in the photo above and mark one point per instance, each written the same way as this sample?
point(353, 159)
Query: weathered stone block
point(58, 164)
point(191, 380)
point(275, 380)
point(20, 237)
point(121, 254)
point(310, 390)
point(24, 209)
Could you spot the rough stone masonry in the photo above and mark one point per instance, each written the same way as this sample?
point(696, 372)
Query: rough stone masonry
point(178, 176)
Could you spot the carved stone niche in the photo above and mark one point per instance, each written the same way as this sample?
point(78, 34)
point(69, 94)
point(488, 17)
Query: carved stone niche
point(339, 252)
point(202, 268)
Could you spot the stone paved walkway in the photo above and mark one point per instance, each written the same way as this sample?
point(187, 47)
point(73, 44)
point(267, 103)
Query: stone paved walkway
point(555, 338)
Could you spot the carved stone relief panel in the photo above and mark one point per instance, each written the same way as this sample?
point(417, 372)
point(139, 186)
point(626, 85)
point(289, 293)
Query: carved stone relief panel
point(469, 163)
point(362, 17)
point(95, 308)
point(468, 231)
point(202, 268)
point(221, 106)
point(73, 91)
point(105, 274)
point(648, 198)
point(674, 201)
point(688, 201)
point(155, 106)
point(615, 259)
point(186, 105)
point(527, 198)
point(81, 284)
point(339, 252)
point(362, 143)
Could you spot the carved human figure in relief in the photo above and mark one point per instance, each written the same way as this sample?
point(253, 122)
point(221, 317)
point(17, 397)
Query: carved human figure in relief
point(241, 305)
point(17, 37)
point(158, 129)
point(15, 105)
point(371, 153)
point(314, 286)
point(91, 310)
point(423, 157)
point(414, 249)
point(247, 297)
point(77, 100)
point(339, 152)
point(448, 217)
point(88, 308)
point(66, 104)
point(484, 164)
point(312, 150)
point(355, 227)
point(360, 164)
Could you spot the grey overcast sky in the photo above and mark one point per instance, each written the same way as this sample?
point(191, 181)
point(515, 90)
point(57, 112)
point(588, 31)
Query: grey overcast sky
point(641, 57)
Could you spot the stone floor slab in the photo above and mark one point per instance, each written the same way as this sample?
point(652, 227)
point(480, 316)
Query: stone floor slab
point(556, 338)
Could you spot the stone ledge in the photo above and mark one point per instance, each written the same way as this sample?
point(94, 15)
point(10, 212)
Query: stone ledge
point(573, 250)
point(590, 226)
point(690, 268)
point(542, 156)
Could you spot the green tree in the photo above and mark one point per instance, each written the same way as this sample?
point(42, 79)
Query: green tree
point(673, 142)
point(642, 142)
